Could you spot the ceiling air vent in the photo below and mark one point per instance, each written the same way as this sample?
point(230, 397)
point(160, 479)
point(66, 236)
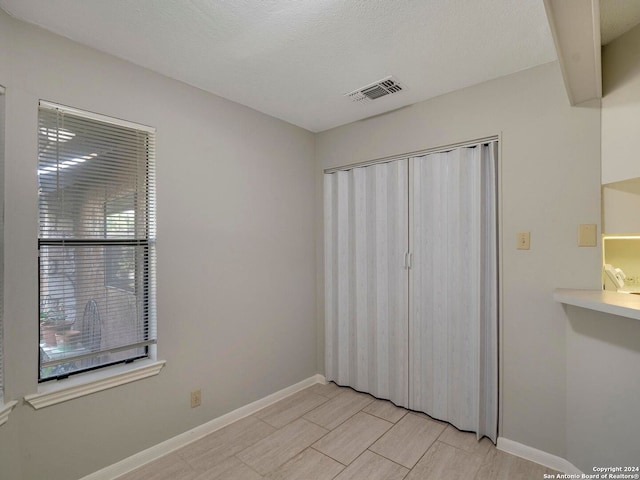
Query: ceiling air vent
point(375, 90)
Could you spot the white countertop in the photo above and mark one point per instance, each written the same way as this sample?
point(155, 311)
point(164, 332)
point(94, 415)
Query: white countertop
point(622, 304)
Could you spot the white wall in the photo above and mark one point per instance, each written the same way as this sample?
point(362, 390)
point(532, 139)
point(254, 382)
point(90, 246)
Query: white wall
point(621, 207)
point(603, 351)
point(236, 271)
point(550, 182)
point(603, 388)
point(621, 107)
point(620, 133)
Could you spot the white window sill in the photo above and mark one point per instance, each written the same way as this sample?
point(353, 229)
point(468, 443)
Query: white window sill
point(5, 410)
point(80, 385)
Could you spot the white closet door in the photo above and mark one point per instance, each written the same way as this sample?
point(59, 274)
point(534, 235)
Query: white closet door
point(488, 381)
point(366, 282)
point(453, 312)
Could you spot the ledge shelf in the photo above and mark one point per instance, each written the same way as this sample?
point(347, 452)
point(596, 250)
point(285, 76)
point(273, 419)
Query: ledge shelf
point(614, 303)
point(91, 382)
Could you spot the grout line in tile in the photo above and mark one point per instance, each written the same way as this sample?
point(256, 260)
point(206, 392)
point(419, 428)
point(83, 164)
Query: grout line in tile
point(440, 434)
point(491, 448)
point(374, 441)
point(425, 452)
point(409, 470)
point(311, 421)
point(325, 396)
point(311, 448)
point(328, 398)
point(378, 416)
point(250, 467)
point(327, 455)
point(460, 449)
point(457, 448)
point(332, 429)
point(478, 471)
point(454, 446)
point(392, 461)
point(297, 418)
point(255, 414)
point(464, 451)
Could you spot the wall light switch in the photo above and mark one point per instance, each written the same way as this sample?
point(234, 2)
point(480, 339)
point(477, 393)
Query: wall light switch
point(524, 240)
point(587, 235)
point(196, 398)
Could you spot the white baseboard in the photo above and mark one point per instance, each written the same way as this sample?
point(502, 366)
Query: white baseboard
point(153, 453)
point(538, 456)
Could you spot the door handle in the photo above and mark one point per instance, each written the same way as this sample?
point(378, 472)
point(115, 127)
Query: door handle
point(408, 257)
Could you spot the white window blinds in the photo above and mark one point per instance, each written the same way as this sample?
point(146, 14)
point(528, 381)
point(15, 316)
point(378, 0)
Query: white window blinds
point(96, 241)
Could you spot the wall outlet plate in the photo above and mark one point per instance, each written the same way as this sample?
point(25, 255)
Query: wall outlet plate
point(587, 235)
point(524, 240)
point(196, 398)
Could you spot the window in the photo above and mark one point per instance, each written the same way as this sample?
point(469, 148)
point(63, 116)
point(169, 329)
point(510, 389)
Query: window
point(1, 236)
point(96, 241)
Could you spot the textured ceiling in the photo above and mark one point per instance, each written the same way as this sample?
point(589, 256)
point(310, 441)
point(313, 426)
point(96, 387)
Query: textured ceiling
point(294, 59)
point(617, 17)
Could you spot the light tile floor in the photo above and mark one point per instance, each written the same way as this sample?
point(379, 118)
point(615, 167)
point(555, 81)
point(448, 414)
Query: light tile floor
point(326, 432)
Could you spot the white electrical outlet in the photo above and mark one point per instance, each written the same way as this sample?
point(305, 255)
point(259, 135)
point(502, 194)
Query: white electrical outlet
point(524, 240)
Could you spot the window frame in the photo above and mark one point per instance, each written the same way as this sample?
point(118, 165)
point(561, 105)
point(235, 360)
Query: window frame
point(5, 409)
point(146, 362)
